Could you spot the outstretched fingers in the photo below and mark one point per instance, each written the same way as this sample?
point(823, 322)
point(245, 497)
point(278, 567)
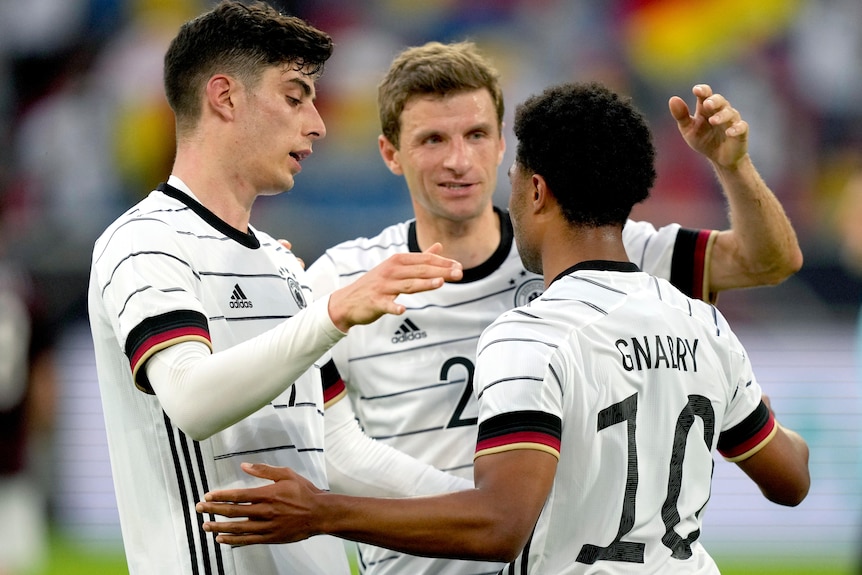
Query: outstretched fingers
point(715, 129)
point(244, 532)
point(413, 272)
point(242, 540)
point(277, 512)
point(374, 294)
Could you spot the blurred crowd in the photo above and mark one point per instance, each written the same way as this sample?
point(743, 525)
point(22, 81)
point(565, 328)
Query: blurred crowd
point(85, 129)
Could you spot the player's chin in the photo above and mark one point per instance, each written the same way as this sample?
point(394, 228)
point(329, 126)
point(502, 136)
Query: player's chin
point(284, 184)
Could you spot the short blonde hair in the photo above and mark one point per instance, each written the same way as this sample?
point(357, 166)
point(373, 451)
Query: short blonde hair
point(434, 69)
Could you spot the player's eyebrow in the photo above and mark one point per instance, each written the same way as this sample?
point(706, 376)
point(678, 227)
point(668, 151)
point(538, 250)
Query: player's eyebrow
point(307, 90)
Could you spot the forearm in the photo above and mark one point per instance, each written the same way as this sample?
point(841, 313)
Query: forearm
point(761, 247)
point(359, 465)
point(204, 393)
point(463, 525)
point(780, 469)
point(484, 523)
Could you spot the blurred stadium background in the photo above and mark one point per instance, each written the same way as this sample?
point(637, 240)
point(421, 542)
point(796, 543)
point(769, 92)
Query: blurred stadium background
point(85, 132)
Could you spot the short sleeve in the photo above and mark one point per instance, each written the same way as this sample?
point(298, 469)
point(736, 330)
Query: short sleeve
point(149, 290)
point(679, 255)
point(519, 394)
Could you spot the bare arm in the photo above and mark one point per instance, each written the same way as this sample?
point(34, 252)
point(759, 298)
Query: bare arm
point(486, 522)
point(780, 469)
point(761, 247)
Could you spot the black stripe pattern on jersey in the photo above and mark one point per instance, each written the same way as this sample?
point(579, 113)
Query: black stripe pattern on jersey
point(148, 218)
point(600, 284)
point(186, 469)
point(523, 560)
point(362, 270)
point(517, 339)
point(144, 253)
point(264, 450)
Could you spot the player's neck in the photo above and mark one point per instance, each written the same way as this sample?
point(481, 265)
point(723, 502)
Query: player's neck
point(470, 242)
point(567, 247)
point(212, 187)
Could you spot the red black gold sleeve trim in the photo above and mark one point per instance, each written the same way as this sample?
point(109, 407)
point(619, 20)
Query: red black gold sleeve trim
point(333, 386)
point(749, 436)
point(689, 270)
point(160, 332)
point(520, 430)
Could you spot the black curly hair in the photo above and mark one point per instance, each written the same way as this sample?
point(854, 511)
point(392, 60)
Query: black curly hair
point(241, 39)
point(592, 146)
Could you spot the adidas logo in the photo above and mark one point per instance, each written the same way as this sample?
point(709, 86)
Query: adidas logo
point(408, 332)
point(238, 299)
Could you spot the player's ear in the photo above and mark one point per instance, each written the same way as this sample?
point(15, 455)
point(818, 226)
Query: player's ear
point(541, 194)
point(220, 95)
point(389, 153)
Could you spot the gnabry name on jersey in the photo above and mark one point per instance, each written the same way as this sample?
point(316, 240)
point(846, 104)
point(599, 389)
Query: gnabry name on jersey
point(408, 331)
point(654, 352)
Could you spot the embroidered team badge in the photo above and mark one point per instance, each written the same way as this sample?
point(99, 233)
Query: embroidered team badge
point(528, 291)
point(296, 292)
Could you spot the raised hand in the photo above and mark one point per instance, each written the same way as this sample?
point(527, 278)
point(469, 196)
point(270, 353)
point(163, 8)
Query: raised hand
point(374, 293)
point(715, 129)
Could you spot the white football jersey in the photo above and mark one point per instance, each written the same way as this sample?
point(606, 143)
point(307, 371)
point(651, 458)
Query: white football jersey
point(410, 377)
point(632, 385)
point(169, 271)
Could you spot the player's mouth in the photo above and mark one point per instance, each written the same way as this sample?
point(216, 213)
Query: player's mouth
point(458, 188)
point(299, 156)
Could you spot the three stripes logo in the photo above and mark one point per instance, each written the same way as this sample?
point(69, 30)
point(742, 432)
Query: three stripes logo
point(238, 299)
point(408, 332)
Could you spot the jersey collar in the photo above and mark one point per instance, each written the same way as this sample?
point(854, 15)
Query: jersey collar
point(602, 265)
point(490, 265)
point(249, 240)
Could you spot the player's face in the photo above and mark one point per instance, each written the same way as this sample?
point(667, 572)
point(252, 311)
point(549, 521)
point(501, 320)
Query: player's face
point(278, 126)
point(519, 210)
point(451, 148)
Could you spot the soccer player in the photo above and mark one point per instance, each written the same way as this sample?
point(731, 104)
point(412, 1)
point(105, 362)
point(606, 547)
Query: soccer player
point(209, 343)
point(410, 378)
point(601, 402)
